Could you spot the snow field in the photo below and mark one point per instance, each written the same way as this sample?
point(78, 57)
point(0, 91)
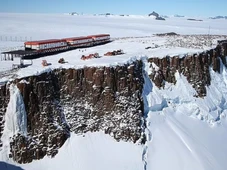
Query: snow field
point(183, 132)
point(92, 151)
point(187, 132)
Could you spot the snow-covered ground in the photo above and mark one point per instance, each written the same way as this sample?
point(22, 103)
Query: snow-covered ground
point(183, 132)
point(92, 151)
point(134, 48)
point(187, 132)
point(132, 34)
point(57, 25)
point(123, 30)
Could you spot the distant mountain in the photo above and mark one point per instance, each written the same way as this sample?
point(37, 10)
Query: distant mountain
point(219, 17)
point(164, 16)
point(153, 14)
point(178, 16)
point(156, 16)
point(73, 13)
point(160, 18)
point(193, 19)
point(106, 14)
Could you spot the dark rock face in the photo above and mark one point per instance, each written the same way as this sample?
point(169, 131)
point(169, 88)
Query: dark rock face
point(4, 100)
point(107, 99)
point(194, 67)
point(89, 99)
point(47, 129)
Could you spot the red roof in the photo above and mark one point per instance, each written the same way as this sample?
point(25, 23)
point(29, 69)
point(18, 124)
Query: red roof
point(43, 42)
point(76, 38)
point(99, 35)
point(64, 39)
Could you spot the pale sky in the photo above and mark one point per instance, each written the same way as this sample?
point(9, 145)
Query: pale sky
point(143, 7)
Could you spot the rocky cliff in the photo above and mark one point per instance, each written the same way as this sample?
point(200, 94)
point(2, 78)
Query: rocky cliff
point(194, 67)
point(4, 100)
point(107, 99)
point(92, 99)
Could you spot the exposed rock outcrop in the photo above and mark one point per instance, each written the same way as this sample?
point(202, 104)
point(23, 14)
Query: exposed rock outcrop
point(219, 17)
point(194, 67)
point(107, 99)
point(4, 100)
point(156, 16)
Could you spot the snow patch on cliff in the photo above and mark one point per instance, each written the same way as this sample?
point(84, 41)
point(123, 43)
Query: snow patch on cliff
point(15, 119)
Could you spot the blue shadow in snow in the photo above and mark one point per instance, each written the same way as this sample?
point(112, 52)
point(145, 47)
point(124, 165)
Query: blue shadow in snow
point(6, 166)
